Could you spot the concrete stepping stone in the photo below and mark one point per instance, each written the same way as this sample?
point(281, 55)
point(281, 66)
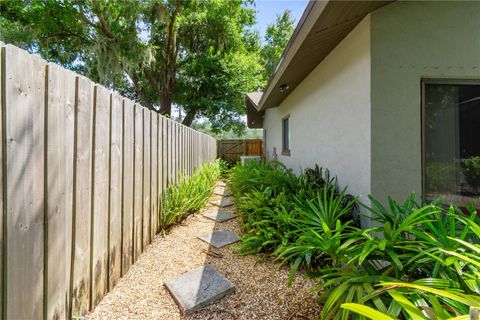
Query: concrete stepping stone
point(219, 215)
point(196, 289)
point(221, 191)
point(222, 203)
point(221, 184)
point(220, 238)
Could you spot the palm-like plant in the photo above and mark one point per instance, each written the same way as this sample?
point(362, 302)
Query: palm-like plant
point(422, 262)
point(188, 195)
point(419, 302)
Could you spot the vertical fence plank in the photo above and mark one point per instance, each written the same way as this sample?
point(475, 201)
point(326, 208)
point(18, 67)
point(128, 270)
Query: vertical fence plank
point(191, 151)
point(80, 274)
point(128, 182)
point(100, 192)
point(160, 168)
point(138, 183)
point(180, 149)
point(164, 152)
point(175, 151)
point(169, 151)
point(187, 150)
point(146, 177)
point(199, 154)
point(2, 180)
point(115, 216)
point(194, 150)
point(154, 174)
point(60, 141)
point(184, 149)
point(24, 130)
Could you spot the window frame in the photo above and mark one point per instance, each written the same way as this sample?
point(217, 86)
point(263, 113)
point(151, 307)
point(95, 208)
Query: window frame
point(424, 83)
point(286, 136)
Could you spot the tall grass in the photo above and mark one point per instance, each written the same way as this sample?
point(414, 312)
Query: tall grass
point(189, 195)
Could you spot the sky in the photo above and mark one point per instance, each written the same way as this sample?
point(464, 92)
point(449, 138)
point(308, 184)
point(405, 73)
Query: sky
point(267, 11)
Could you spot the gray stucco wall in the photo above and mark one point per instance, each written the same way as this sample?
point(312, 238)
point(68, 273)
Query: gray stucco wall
point(330, 115)
point(411, 41)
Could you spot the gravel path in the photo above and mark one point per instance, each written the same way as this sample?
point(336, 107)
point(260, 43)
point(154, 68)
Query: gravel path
point(260, 293)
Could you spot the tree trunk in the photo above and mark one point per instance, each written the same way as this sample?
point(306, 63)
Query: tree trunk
point(168, 72)
point(189, 117)
point(165, 103)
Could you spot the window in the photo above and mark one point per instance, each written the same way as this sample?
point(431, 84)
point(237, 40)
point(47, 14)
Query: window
point(286, 136)
point(451, 141)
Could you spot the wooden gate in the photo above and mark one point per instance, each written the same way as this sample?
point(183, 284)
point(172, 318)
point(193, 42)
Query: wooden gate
point(232, 150)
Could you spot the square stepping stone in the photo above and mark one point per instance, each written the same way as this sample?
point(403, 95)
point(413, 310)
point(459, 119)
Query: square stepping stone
point(222, 192)
point(219, 215)
point(220, 238)
point(222, 203)
point(196, 289)
point(221, 184)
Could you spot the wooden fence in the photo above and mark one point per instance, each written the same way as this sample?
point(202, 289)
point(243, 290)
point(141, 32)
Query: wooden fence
point(231, 150)
point(83, 170)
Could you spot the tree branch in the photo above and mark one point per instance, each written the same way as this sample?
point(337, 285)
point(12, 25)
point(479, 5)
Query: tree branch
point(66, 33)
point(101, 26)
point(106, 31)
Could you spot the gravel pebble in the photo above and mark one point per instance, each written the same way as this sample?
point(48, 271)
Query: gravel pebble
point(261, 291)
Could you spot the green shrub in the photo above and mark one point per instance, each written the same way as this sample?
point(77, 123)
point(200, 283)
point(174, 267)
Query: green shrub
point(267, 221)
point(189, 195)
point(225, 167)
point(424, 245)
point(422, 262)
point(418, 301)
point(319, 228)
point(273, 204)
point(286, 216)
point(255, 175)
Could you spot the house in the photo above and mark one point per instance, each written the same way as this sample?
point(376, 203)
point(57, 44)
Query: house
point(385, 94)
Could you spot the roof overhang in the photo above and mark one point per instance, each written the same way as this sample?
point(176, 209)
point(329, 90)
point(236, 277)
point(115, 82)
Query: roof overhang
point(254, 117)
point(323, 25)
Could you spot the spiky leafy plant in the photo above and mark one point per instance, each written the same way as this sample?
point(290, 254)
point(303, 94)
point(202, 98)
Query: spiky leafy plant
point(417, 264)
point(419, 302)
point(187, 196)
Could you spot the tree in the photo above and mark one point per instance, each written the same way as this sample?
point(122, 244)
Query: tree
point(248, 133)
point(159, 52)
point(277, 36)
point(212, 84)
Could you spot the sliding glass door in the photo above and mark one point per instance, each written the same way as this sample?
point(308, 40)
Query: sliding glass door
point(451, 141)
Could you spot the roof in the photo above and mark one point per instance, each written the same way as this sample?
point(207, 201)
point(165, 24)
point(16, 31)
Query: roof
point(254, 117)
point(323, 25)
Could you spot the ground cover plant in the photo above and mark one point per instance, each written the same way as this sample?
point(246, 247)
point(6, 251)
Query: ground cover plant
point(421, 262)
point(189, 195)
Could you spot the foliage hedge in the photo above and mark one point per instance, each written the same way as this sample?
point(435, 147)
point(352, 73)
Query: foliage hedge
point(421, 262)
